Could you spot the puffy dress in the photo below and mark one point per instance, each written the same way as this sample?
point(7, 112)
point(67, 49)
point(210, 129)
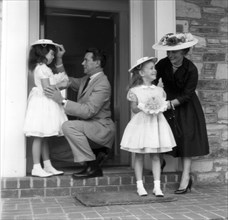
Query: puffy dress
point(181, 85)
point(148, 131)
point(44, 117)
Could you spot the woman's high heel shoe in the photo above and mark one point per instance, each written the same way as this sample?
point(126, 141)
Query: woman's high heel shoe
point(183, 191)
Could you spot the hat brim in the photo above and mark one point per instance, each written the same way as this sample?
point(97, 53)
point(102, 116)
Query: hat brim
point(180, 46)
point(45, 43)
point(154, 59)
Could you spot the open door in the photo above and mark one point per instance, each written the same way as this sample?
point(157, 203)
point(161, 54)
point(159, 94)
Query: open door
point(78, 30)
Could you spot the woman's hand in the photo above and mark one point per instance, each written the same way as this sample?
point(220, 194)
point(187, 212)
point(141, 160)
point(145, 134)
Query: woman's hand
point(169, 106)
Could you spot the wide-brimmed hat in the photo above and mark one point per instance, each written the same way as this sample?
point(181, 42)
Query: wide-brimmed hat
point(175, 42)
point(143, 60)
point(44, 42)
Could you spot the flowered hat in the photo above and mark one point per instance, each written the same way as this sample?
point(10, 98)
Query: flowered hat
point(141, 61)
point(175, 42)
point(44, 42)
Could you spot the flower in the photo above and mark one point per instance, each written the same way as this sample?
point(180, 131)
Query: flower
point(175, 39)
point(154, 105)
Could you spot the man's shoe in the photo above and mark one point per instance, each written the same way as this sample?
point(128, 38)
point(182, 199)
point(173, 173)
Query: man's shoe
point(83, 170)
point(101, 158)
point(90, 172)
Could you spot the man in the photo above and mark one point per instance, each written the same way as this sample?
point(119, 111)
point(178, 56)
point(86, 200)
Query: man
point(93, 132)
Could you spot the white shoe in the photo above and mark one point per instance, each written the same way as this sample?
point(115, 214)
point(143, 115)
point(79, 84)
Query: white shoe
point(158, 192)
point(40, 173)
point(141, 191)
point(53, 171)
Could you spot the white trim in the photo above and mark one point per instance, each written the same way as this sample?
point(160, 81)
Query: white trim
point(165, 21)
point(136, 30)
point(13, 87)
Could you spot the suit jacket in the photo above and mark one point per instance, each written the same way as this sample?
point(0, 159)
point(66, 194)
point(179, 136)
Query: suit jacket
point(93, 106)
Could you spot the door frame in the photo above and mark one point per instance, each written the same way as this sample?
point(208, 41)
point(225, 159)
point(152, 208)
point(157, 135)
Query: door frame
point(122, 54)
point(164, 21)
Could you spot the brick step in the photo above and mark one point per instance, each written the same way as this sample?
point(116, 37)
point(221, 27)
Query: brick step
point(114, 179)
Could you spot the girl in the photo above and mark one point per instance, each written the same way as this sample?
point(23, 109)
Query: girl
point(44, 117)
point(148, 131)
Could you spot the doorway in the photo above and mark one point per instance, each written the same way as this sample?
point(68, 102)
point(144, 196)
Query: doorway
point(78, 30)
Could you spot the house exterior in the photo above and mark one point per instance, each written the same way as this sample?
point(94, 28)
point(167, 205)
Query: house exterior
point(137, 25)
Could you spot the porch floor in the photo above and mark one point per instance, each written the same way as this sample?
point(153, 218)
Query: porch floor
point(114, 179)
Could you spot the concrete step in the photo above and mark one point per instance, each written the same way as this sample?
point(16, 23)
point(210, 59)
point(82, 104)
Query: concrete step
point(114, 179)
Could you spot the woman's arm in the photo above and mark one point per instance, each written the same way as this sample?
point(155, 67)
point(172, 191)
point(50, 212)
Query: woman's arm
point(189, 87)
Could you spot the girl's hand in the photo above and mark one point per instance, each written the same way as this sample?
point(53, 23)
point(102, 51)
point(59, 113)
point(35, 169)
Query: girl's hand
point(60, 51)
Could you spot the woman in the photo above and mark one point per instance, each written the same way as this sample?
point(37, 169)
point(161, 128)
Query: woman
point(180, 77)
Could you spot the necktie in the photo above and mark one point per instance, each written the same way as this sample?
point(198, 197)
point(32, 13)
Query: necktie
point(86, 84)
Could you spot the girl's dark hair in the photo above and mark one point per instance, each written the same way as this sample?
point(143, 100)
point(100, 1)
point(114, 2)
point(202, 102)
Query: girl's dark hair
point(37, 54)
point(97, 55)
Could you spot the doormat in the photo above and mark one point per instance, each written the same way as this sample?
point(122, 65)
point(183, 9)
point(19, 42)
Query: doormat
point(119, 198)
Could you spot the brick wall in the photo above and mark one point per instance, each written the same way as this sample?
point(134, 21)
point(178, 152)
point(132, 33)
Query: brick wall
point(208, 20)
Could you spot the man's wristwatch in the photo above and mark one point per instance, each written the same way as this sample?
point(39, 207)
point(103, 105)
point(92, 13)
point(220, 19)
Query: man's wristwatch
point(64, 101)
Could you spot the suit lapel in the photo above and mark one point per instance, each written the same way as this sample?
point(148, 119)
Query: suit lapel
point(90, 86)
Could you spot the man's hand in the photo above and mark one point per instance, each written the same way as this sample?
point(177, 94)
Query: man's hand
point(54, 94)
point(60, 51)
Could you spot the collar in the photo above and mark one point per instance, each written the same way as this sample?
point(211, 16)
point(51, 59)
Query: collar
point(151, 86)
point(94, 76)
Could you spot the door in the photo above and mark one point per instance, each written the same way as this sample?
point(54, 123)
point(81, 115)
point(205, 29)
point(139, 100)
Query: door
point(78, 30)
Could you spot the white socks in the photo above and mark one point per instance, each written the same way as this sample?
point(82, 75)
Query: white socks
point(157, 189)
point(47, 163)
point(50, 169)
point(140, 188)
point(37, 166)
point(39, 172)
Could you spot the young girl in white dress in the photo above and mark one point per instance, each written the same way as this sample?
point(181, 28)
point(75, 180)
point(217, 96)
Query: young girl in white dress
point(44, 117)
point(148, 132)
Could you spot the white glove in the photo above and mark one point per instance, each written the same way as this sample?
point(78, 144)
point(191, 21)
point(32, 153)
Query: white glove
point(141, 106)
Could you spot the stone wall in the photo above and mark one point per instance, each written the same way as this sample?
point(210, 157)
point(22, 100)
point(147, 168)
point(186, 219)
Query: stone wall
point(208, 20)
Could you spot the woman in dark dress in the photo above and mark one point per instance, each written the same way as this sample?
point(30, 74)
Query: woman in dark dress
point(180, 77)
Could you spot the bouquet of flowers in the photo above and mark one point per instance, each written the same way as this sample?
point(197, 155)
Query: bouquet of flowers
point(154, 105)
point(174, 39)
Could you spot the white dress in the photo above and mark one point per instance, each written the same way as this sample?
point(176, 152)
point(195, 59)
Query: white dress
point(148, 131)
point(44, 117)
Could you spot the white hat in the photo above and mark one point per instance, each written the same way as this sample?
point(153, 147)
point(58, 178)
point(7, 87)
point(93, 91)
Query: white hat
point(143, 60)
point(44, 42)
point(172, 42)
